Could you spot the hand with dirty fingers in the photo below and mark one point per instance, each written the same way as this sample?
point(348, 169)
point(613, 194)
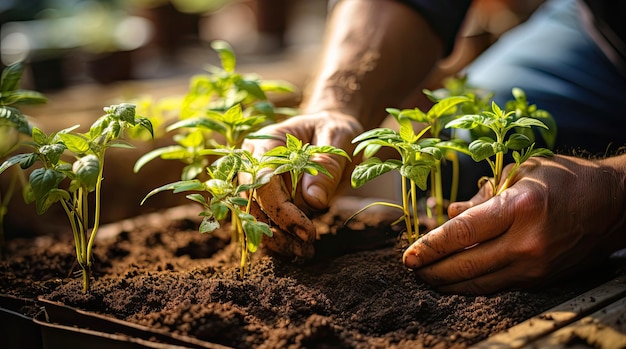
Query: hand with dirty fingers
point(527, 234)
point(294, 233)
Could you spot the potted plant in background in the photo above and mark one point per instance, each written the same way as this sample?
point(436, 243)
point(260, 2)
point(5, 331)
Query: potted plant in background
point(13, 126)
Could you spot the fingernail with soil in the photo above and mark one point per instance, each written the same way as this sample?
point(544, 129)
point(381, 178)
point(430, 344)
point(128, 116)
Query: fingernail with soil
point(410, 260)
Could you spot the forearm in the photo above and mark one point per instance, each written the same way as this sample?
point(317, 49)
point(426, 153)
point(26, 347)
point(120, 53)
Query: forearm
point(375, 53)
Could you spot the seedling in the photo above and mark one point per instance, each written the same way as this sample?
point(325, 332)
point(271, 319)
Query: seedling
point(223, 102)
point(295, 158)
point(224, 192)
point(500, 123)
point(224, 198)
point(418, 156)
point(436, 117)
point(13, 125)
point(81, 177)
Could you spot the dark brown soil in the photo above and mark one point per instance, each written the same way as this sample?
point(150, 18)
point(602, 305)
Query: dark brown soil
point(160, 272)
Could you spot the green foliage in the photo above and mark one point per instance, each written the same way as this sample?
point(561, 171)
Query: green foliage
point(70, 183)
point(456, 106)
point(13, 126)
point(492, 150)
point(295, 158)
point(220, 109)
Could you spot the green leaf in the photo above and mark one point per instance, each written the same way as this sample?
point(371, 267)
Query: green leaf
point(123, 112)
point(146, 124)
point(518, 141)
point(419, 173)
point(227, 167)
point(87, 170)
point(226, 54)
point(43, 180)
point(177, 187)
point(180, 152)
point(254, 232)
point(52, 152)
point(239, 201)
point(219, 209)
point(444, 106)
point(39, 137)
point(11, 77)
point(466, 122)
point(197, 198)
point(482, 148)
point(208, 225)
point(16, 159)
point(370, 169)
point(75, 143)
point(528, 122)
point(16, 97)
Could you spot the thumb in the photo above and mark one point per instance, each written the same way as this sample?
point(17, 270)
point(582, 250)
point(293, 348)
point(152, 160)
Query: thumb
point(317, 191)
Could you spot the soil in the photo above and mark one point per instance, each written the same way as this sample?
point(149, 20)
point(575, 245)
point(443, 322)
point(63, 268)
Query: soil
point(158, 271)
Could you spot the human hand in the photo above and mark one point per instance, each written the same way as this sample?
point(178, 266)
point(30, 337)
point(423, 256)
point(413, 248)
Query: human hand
point(294, 233)
point(560, 215)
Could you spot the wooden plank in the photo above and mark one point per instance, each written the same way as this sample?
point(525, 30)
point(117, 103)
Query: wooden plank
point(558, 317)
point(606, 328)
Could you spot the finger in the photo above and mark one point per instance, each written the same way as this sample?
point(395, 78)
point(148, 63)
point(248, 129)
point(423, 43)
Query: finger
point(275, 201)
point(498, 280)
point(288, 245)
point(484, 194)
point(466, 265)
point(281, 242)
point(480, 223)
point(319, 190)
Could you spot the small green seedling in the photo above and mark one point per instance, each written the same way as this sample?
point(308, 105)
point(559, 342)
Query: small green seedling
point(220, 109)
point(436, 118)
point(224, 198)
point(417, 157)
point(13, 125)
point(295, 158)
point(223, 191)
point(81, 177)
point(501, 123)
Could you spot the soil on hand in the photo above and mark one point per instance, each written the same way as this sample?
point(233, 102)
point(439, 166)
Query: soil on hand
point(356, 293)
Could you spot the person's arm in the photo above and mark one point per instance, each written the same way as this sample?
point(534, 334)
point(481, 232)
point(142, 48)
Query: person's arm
point(375, 53)
point(561, 215)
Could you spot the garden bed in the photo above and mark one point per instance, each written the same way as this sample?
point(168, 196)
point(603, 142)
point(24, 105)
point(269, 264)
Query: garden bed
point(158, 271)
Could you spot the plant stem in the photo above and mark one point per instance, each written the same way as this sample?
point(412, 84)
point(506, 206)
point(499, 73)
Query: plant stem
point(454, 186)
point(438, 194)
point(416, 218)
point(405, 208)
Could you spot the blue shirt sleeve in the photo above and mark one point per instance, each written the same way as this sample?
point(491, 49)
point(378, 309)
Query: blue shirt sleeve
point(444, 16)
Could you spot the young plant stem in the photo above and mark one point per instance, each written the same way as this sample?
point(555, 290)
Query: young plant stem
point(454, 186)
point(407, 215)
point(438, 194)
point(243, 262)
point(416, 219)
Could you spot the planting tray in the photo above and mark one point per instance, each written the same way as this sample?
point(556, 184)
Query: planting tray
point(18, 330)
point(67, 327)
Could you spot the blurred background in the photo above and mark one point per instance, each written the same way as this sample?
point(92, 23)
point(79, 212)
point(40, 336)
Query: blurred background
point(87, 54)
